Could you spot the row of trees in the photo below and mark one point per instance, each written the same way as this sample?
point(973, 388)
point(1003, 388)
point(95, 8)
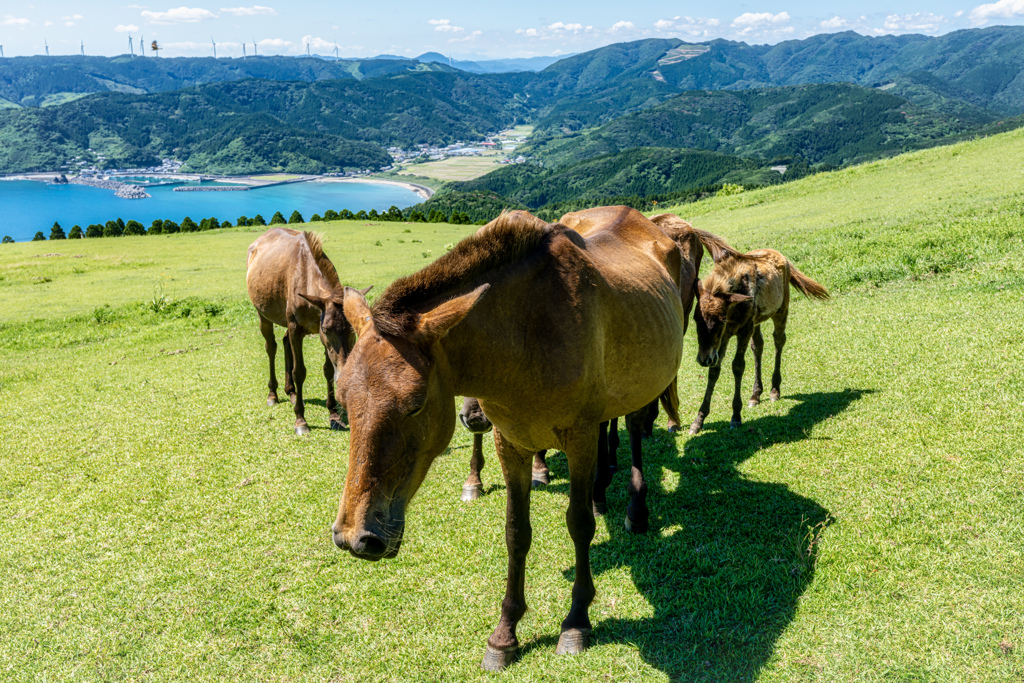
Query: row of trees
point(117, 228)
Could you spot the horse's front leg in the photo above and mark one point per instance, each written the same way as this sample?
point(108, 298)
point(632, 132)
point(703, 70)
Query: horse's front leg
point(604, 471)
point(474, 486)
point(503, 645)
point(637, 514)
point(338, 418)
point(705, 407)
point(757, 346)
point(613, 445)
point(541, 473)
point(580, 450)
point(739, 363)
point(295, 335)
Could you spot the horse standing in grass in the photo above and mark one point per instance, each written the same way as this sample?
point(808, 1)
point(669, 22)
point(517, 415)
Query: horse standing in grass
point(741, 292)
point(293, 284)
point(554, 334)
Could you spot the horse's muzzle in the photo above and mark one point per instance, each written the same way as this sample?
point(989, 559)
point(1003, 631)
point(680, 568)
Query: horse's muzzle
point(368, 545)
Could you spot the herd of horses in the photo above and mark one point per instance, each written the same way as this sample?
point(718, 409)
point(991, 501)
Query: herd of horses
point(554, 330)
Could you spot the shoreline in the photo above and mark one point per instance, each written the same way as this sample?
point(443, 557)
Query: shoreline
point(422, 190)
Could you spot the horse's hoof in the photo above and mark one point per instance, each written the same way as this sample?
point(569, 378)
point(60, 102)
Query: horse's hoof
point(754, 402)
point(735, 424)
point(695, 428)
point(573, 642)
point(271, 402)
point(636, 527)
point(497, 660)
point(472, 492)
point(674, 429)
point(301, 430)
point(600, 507)
point(540, 480)
point(338, 425)
point(774, 395)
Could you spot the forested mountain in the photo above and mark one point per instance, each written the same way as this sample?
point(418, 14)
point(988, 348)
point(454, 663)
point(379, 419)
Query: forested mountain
point(36, 81)
point(834, 123)
point(257, 125)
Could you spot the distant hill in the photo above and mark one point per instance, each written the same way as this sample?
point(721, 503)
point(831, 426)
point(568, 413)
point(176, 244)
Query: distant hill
point(834, 123)
point(491, 66)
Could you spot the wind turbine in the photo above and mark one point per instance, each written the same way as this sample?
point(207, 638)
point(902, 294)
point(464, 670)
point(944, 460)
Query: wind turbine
point(142, 45)
point(214, 47)
point(336, 57)
point(131, 48)
point(47, 46)
point(255, 52)
point(1, 51)
point(83, 48)
point(307, 50)
point(243, 50)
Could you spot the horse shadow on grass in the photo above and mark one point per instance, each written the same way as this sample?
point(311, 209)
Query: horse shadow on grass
point(727, 557)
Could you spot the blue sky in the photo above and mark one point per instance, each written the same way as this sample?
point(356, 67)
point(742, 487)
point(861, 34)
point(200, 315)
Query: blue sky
point(464, 29)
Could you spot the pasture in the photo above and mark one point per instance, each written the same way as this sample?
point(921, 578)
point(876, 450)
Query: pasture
point(159, 522)
point(454, 168)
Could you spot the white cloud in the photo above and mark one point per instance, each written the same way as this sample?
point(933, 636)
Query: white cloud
point(620, 26)
point(472, 36)
point(318, 43)
point(11, 20)
point(47, 23)
point(1003, 9)
point(834, 22)
point(914, 23)
point(958, 13)
point(179, 15)
point(126, 28)
point(691, 26)
point(528, 32)
point(275, 42)
point(759, 20)
point(445, 26)
point(250, 11)
point(69, 23)
point(559, 26)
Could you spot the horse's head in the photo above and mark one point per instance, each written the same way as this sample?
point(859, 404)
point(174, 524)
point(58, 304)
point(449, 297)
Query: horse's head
point(716, 306)
point(336, 332)
point(401, 418)
point(472, 416)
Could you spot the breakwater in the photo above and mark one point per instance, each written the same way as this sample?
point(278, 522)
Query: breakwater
point(122, 190)
point(218, 188)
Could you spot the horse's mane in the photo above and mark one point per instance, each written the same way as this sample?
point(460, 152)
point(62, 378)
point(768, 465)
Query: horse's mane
point(315, 241)
point(506, 240)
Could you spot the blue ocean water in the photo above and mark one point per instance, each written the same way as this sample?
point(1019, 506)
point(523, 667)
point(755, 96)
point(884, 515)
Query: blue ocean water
point(28, 206)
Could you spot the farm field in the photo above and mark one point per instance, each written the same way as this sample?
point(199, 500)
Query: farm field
point(454, 168)
point(159, 522)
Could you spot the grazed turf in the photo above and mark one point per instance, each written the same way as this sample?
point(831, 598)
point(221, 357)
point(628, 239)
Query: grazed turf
point(158, 522)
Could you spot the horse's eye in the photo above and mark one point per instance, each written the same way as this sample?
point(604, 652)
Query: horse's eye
point(416, 411)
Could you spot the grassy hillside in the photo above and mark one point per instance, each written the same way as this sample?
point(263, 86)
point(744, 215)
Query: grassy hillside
point(157, 518)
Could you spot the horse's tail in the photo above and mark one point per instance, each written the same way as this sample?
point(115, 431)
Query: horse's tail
point(718, 247)
point(670, 402)
point(805, 284)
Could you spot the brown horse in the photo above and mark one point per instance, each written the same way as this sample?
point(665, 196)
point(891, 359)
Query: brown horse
point(548, 330)
point(292, 283)
point(739, 293)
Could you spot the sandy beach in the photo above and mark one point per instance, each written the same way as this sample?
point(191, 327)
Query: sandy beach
point(421, 190)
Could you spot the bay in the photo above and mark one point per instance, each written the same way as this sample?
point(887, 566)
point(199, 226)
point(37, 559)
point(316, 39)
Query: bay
point(29, 206)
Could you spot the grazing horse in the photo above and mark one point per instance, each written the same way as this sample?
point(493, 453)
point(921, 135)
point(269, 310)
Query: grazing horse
point(472, 418)
point(739, 293)
point(293, 284)
point(554, 334)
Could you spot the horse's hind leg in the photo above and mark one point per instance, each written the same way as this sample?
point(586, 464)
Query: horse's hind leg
point(541, 474)
point(298, 377)
point(473, 488)
point(337, 418)
point(289, 381)
point(705, 407)
point(267, 329)
point(739, 363)
point(613, 445)
point(650, 415)
point(757, 346)
point(637, 514)
point(779, 335)
point(603, 476)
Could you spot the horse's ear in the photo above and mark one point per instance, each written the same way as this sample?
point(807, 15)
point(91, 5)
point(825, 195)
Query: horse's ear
point(317, 301)
point(739, 298)
point(364, 292)
point(356, 311)
point(436, 322)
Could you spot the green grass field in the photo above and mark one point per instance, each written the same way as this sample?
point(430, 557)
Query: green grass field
point(454, 168)
point(159, 522)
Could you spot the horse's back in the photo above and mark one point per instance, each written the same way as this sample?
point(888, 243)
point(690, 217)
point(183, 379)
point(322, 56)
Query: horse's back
point(272, 261)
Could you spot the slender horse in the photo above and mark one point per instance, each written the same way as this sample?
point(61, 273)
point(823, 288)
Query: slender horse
point(554, 334)
point(739, 293)
point(293, 284)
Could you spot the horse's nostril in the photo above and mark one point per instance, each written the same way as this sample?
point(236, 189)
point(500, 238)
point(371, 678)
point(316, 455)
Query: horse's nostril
point(371, 546)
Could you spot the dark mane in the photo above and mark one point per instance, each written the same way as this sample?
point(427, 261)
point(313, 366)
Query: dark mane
point(316, 246)
point(505, 240)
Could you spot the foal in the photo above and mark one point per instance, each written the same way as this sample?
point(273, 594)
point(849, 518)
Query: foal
point(741, 292)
